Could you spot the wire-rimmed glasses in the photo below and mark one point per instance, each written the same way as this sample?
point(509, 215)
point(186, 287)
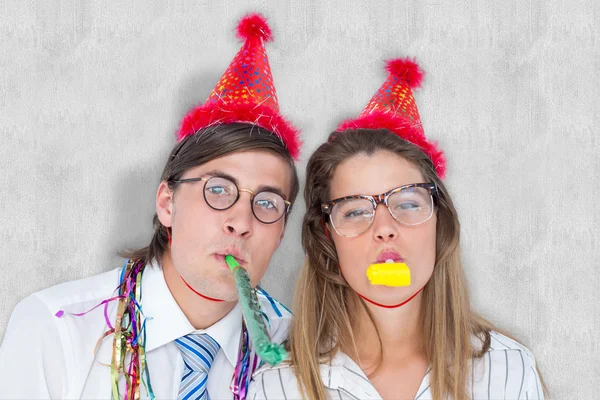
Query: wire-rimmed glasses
point(221, 193)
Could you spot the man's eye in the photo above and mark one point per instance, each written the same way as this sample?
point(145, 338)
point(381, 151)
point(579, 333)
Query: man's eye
point(266, 205)
point(217, 190)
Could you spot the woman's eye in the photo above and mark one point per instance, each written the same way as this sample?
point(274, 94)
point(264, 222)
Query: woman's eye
point(355, 213)
point(408, 206)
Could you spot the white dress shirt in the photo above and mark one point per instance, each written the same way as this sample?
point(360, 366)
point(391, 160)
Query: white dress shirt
point(43, 356)
point(506, 371)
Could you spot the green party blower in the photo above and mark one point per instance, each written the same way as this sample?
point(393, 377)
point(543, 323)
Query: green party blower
point(269, 352)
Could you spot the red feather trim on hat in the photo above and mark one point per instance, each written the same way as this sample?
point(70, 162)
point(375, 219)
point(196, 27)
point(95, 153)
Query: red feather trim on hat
point(406, 69)
point(254, 25)
point(265, 117)
point(403, 128)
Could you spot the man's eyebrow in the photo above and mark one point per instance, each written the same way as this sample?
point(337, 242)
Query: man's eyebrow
point(261, 188)
point(221, 174)
point(272, 189)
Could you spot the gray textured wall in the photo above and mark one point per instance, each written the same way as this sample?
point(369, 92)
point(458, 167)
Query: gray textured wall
point(90, 96)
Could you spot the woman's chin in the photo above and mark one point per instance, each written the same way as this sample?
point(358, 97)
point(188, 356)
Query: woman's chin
point(388, 295)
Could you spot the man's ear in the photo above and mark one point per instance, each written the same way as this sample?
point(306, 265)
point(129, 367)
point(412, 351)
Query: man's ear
point(164, 204)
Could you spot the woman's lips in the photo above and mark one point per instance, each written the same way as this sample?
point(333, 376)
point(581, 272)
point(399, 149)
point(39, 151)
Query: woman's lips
point(389, 255)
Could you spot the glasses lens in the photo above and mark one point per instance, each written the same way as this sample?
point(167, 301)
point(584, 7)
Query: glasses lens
point(352, 217)
point(268, 207)
point(411, 206)
point(220, 193)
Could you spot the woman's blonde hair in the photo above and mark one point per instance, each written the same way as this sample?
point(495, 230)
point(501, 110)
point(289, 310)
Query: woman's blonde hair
point(323, 304)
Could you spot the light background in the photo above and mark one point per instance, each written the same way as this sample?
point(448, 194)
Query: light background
point(91, 95)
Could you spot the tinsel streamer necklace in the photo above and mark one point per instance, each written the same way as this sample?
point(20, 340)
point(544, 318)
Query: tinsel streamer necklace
point(129, 334)
point(243, 368)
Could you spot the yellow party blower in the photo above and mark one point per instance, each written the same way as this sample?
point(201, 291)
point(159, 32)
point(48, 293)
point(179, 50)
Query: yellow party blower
point(389, 274)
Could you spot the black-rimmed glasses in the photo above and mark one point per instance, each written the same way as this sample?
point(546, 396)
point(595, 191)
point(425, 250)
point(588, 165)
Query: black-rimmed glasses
point(409, 205)
point(222, 193)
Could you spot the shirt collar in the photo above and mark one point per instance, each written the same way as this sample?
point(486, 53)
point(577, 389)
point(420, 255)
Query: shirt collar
point(344, 374)
point(227, 332)
point(165, 321)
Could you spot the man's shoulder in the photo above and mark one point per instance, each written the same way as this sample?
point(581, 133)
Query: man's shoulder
point(42, 312)
point(277, 316)
point(68, 295)
point(272, 307)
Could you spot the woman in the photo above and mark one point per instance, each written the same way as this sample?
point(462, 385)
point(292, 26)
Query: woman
point(374, 195)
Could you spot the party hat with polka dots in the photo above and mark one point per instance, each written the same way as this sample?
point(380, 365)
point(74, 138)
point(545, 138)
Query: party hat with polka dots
point(245, 93)
point(393, 108)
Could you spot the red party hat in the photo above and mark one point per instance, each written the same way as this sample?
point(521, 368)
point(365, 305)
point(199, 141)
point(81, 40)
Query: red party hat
point(393, 108)
point(245, 92)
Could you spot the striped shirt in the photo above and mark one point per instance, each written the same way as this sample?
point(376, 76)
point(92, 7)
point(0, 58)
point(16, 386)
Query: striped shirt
point(506, 371)
point(44, 357)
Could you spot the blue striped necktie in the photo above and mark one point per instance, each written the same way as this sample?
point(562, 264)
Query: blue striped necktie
point(198, 352)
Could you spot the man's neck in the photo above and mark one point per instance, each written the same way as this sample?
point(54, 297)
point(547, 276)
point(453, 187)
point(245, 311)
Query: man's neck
point(201, 312)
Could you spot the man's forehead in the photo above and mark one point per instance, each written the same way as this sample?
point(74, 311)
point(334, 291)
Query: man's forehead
point(247, 169)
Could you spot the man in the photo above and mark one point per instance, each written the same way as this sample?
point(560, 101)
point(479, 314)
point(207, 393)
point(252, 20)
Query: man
point(173, 328)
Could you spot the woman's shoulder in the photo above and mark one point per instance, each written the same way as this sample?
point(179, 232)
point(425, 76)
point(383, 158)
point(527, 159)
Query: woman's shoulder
point(502, 348)
point(502, 343)
point(507, 369)
point(270, 382)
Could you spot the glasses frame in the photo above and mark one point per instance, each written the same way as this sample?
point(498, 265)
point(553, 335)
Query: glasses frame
point(252, 196)
point(377, 199)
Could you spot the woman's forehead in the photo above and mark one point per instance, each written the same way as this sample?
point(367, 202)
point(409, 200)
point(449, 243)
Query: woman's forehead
point(372, 174)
